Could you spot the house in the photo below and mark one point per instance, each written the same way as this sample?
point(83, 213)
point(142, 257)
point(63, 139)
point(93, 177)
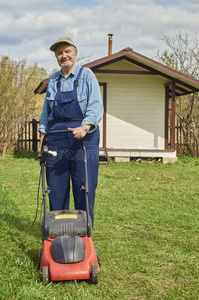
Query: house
point(136, 93)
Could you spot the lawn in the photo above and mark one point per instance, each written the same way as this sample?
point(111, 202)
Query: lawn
point(146, 230)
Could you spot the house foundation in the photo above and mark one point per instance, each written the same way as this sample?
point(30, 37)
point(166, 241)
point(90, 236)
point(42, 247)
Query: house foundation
point(123, 155)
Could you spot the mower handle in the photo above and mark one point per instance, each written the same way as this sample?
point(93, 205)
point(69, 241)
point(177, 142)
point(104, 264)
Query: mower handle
point(54, 132)
point(44, 149)
point(85, 188)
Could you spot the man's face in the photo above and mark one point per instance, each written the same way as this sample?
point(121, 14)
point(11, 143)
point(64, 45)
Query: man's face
point(66, 56)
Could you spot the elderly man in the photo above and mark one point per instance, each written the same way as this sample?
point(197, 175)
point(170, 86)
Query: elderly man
point(73, 101)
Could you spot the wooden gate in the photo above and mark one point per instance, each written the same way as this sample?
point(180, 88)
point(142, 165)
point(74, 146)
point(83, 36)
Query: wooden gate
point(28, 136)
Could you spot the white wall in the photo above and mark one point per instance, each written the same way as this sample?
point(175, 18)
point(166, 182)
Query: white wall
point(135, 111)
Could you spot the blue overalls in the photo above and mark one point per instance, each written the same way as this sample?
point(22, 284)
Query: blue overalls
point(69, 163)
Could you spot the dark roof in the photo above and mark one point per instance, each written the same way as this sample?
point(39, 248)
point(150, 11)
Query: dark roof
point(184, 84)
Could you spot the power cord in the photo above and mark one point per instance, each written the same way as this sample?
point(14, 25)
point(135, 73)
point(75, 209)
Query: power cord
point(37, 209)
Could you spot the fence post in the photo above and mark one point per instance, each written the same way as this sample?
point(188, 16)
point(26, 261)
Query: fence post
point(34, 135)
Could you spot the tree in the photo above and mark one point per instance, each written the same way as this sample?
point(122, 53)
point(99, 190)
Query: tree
point(182, 54)
point(17, 99)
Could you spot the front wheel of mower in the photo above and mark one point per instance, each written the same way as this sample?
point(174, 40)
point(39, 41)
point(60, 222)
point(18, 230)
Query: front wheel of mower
point(94, 274)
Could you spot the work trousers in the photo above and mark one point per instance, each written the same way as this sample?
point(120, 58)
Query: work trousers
point(69, 166)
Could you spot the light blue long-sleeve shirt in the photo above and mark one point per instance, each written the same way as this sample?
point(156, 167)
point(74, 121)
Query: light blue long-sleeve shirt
point(88, 94)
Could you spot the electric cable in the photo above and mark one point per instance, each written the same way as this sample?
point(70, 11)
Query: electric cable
point(38, 191)
point(37, 209)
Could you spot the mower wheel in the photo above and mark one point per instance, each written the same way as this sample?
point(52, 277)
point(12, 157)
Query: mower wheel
point(45, 274)
point(94, 274)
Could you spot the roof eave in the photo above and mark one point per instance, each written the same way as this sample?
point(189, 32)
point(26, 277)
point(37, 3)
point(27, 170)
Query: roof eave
point(145, 61)
point(191, 84)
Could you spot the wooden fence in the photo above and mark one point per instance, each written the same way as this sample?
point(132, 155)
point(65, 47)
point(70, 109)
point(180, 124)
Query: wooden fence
point(186, 142)
point(28, 138)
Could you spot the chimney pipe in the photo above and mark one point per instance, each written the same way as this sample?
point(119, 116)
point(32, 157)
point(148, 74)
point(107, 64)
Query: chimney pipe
point(110, 35)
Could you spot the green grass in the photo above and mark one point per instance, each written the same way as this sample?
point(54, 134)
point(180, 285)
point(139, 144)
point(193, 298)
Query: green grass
point(146, 229)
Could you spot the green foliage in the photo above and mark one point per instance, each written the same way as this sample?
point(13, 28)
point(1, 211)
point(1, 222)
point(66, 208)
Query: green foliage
point(146, 229)
point(17, 100)
point(168, 59)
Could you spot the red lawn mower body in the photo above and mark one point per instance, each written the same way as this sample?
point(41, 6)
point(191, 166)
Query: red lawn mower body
point(82, 270)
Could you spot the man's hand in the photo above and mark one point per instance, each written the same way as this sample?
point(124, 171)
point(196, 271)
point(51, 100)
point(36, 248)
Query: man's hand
point(79, 132)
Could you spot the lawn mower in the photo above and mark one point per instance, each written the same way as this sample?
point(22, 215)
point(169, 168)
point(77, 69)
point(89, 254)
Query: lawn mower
point(68, 251)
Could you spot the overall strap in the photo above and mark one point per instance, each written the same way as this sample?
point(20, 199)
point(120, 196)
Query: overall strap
point(78, 76)
point(75, 82)
point(58, 85)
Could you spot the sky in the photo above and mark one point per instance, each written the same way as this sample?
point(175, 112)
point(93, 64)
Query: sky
point(29, 27)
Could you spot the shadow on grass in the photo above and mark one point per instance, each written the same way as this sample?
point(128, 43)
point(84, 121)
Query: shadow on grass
point(21, 233)
point(24, 154)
